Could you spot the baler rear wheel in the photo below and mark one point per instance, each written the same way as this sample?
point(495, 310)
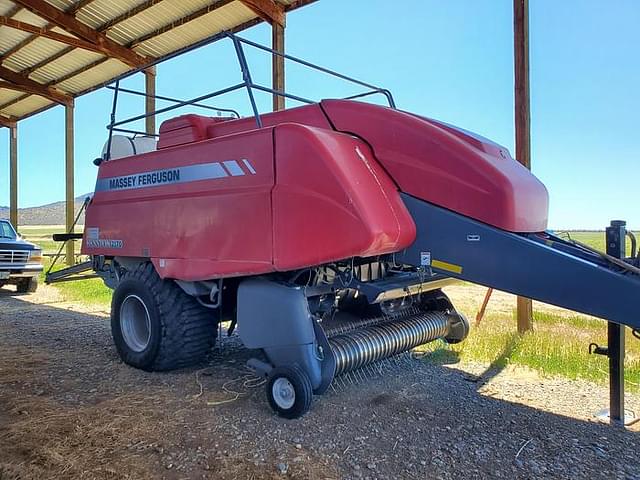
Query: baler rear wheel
point(156, 326)
point(289, 391)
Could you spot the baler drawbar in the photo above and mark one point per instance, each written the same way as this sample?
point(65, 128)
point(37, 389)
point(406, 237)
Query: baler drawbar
point(325, 233)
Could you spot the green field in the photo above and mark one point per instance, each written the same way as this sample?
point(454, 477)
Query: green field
point(558, 345)
point(593, 239)
point(89, 292)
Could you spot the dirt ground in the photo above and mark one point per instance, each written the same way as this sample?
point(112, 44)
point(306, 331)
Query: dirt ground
point(70, 409)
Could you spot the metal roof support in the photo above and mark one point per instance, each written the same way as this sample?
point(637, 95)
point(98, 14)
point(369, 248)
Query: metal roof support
point(268, 10)
point(522, 120)
point(69, 181)
point(70, 24)
point(277, 65)
point(25, 84)
point(45, 32)
point(7, 121)
point(13, 174)
point(150, 100)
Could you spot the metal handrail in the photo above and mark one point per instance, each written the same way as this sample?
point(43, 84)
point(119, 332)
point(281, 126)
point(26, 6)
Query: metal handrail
point(247, 83)
point(286, 56)
point(175, 100)
point(179, 104)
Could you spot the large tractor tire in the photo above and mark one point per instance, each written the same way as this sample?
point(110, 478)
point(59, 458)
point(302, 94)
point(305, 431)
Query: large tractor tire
point(156, 325)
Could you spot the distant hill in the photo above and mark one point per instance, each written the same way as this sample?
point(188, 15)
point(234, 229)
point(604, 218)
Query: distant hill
point(50, 214)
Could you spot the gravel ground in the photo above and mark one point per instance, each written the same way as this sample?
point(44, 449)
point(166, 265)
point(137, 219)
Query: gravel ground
point(69, 408)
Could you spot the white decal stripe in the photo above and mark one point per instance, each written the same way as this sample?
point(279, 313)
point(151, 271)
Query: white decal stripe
point(234, 168)
point(169, 176)
point(249, 166)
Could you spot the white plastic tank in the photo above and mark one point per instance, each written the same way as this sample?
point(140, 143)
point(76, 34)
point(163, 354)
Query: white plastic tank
point(123, 146)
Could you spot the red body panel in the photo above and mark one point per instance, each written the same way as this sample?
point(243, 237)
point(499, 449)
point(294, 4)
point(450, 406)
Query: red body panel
point(223, 198)
point(196, 229)
point(332, 199)
point(447, 166)
point(329, 201)
point(311, 115)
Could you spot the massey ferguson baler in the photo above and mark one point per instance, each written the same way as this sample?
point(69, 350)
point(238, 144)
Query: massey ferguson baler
point(325, 234)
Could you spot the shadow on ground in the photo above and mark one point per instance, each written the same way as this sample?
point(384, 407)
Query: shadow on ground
point(69, 408)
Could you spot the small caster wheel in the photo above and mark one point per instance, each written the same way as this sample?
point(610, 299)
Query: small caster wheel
point(289, 391)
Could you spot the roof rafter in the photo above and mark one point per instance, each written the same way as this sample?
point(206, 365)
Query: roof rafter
point(25, 84)
point(181, 21)
point(268, 10)
point(55, 83)
point(9, 122)
point(103, 28)
point(70, 24)
point(71, 11)
point(47, 33)
point(128, 14)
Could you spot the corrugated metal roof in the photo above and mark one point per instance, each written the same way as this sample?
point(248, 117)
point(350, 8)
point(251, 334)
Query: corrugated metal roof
point(151, 28)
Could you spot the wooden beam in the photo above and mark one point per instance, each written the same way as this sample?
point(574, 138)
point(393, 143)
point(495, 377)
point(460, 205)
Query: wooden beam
point(69, 23)
point(181, 21)
point(25, 84)
point(71, 11)
point(14, 101)
point(268, 10)
point(128, 14)
point(11, 86)
point(104, 27)
point(46, 33)
point(248, 24)
point(298, 4)
point(150, 101)
point(8, 121)
point(277, 65)
point(13, 174)
point(522, 121)
point(69, 181)
point(483, 307)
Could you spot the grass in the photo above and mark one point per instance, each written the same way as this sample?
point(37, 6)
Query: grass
point(91, 291)
point(593, 239)
point(558, 346)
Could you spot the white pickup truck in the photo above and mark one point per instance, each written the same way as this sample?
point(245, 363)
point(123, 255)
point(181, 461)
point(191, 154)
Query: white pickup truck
point(20, 261)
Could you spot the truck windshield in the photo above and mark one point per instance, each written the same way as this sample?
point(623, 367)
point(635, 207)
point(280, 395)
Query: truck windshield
point(7, 231)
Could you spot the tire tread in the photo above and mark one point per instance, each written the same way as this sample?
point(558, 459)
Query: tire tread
point(188, 329)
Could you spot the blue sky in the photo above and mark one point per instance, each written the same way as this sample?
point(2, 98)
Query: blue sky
point(447, 60)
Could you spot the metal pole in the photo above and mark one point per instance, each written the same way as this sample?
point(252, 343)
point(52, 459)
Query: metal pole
point(277, 65)
point(13, 174)
point(150, 101)
point(616, 236)
point(522, 120)
point(112, 121)
point(69, 181)
point(246, 76)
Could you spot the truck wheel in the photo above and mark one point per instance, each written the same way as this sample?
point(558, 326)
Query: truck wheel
point(289, 391)
point(27, 285)
point(156, 326)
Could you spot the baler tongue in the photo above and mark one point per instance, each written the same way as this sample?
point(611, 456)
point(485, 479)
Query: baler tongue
point(540, 266)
